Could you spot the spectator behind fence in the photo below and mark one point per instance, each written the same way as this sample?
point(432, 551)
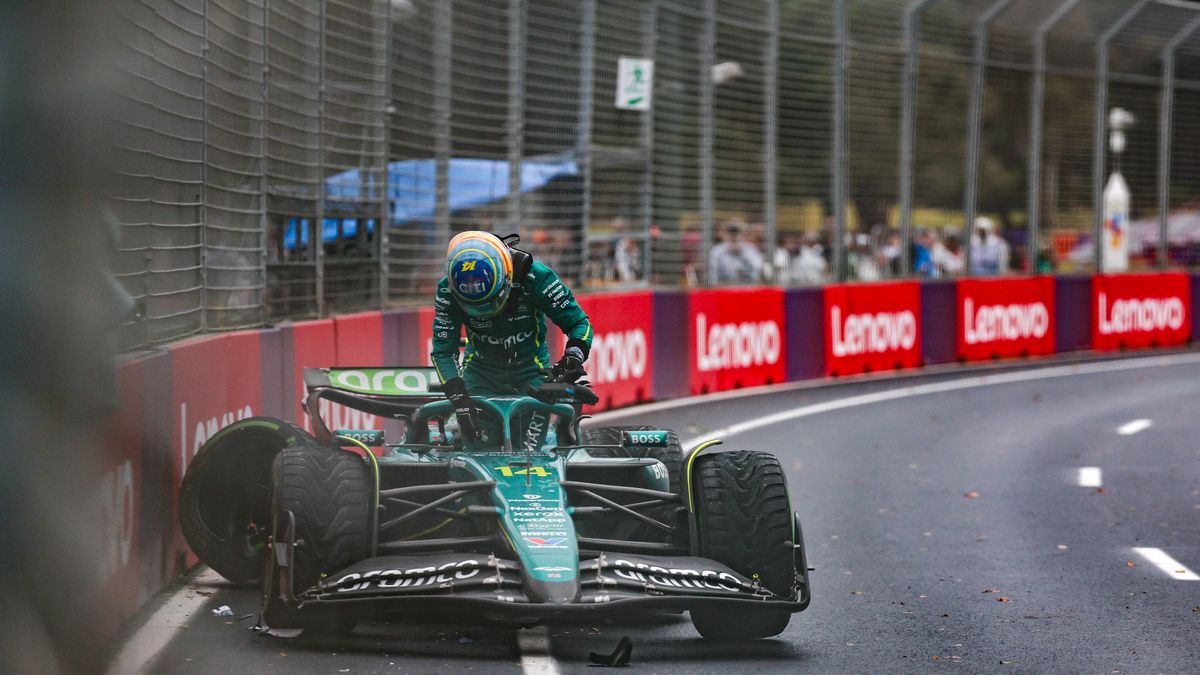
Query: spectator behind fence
point(735, 260)
point(627, 258)
point(989, 251)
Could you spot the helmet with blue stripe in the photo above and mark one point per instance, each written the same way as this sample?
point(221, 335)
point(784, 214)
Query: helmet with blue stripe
point(479, 269)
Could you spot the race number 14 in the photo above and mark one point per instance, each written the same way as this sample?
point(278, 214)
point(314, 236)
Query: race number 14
point(539, 471)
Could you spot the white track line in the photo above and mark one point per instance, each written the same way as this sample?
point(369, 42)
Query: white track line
point(534, 647)
point(162, 626)
point(1131, 428)
point(1090, 476)
point(1132, 363)
point(1164, 562)
point(939, 388)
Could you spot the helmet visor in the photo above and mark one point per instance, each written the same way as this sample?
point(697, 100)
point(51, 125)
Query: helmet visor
point(486, 308)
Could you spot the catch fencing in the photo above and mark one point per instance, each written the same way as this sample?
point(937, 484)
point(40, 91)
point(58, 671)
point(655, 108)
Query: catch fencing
point(301, 158)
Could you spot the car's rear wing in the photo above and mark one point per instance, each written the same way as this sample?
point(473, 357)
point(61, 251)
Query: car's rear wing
point(394, 392)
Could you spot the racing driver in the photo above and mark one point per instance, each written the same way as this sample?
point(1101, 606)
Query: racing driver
point(502, 296)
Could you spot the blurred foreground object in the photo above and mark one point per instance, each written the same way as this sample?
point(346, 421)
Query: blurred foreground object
point(59, 308)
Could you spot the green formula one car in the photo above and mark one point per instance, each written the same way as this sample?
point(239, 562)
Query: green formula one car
point(341, 525)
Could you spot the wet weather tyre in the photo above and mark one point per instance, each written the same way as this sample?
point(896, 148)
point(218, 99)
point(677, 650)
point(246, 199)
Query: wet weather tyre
point(329, 494)
point(225, 498)
point(671, 455)
point(745, 522)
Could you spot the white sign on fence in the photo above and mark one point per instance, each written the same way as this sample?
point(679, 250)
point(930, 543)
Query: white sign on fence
point(635, 82)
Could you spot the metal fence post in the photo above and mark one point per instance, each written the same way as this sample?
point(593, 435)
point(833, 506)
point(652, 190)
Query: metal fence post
point(1034, 177)
point(1165, 120)
point(515, 122)
point(583, 140)
point(443, 25)
point(975, 126)
point(1101, 106)
point(202, 221)
point(908, 122)
point(385, 211)
point(771, 128)
point(318, 235)
point(708, 44)
point(264, 181)
point(649, 51)
point(838, 156)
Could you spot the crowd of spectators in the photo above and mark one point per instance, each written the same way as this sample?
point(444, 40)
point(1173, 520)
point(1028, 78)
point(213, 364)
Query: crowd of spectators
point(739, 255)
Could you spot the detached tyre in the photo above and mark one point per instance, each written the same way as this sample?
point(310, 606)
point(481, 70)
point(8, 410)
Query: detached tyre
point(328, 492)
point(225, 498)
point(745, 522)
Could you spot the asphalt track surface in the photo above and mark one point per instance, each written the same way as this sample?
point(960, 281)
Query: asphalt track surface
point(948, 529)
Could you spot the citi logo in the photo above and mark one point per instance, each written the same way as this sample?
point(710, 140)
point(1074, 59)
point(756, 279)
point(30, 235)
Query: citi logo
point(736, 345)
point(618, 356)
point(872, 333)
point(1139, 315)
point(1000, 323)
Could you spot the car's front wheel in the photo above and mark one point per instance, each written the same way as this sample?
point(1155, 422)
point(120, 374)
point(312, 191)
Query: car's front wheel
point(745, 522)
point(328, 492)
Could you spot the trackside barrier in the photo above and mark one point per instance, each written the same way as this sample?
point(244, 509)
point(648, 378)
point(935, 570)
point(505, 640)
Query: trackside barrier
point(872, 327)
point(1002, 318)
point(705, 340)
point(737, 339)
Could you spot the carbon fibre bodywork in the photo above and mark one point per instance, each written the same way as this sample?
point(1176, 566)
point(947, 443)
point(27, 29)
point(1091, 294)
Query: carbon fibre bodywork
point(512, 534)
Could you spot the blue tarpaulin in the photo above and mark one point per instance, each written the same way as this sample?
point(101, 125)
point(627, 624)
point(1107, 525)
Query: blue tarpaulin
point(412, 184)
point(412, 191)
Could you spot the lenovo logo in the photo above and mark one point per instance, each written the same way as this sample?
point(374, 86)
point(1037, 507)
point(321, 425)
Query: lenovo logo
point(736, 345)
point(618, 356)
point(1139, 315)
point(998, 323)
point(872, 333)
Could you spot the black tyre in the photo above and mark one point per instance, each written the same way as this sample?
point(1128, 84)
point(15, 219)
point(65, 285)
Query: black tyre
point(329, 493)
point(671, 455)
point(745, 522)
point(225, 498)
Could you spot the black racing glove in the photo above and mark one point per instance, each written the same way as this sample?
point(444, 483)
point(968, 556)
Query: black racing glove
point(570, 367)
point(465, 407)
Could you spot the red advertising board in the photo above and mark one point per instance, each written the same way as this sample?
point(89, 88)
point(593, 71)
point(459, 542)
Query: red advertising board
point(736, 338)
point(119, 520)
point(359, 339)
point(315, 344)
point(1131, 311)
point(215, 381)
point(619, 365)
point(1005, 317)
point(872, 327)
point(425, 333)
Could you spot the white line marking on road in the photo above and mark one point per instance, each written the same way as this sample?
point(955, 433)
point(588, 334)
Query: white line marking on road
point(534, 647)
point(926, 389)
point(162, 626)
point(1090, 476)
point(1166, 563)
point(1056, 371)
point(1131, 428)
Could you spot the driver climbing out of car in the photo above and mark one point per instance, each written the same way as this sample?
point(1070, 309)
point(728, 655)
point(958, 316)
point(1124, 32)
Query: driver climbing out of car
point(501, 295)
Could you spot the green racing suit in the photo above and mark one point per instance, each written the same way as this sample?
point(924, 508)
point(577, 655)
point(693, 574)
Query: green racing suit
point(506, 353)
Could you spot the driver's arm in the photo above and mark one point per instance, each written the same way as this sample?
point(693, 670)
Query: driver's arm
point(447, 327)
point(558, 302)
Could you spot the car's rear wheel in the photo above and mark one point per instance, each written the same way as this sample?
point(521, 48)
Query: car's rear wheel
point(225, 498)
point(745, 522)
point(671, 455)
point(328, 492)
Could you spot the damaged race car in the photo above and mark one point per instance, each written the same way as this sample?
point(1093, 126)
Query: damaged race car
point(522, 525)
